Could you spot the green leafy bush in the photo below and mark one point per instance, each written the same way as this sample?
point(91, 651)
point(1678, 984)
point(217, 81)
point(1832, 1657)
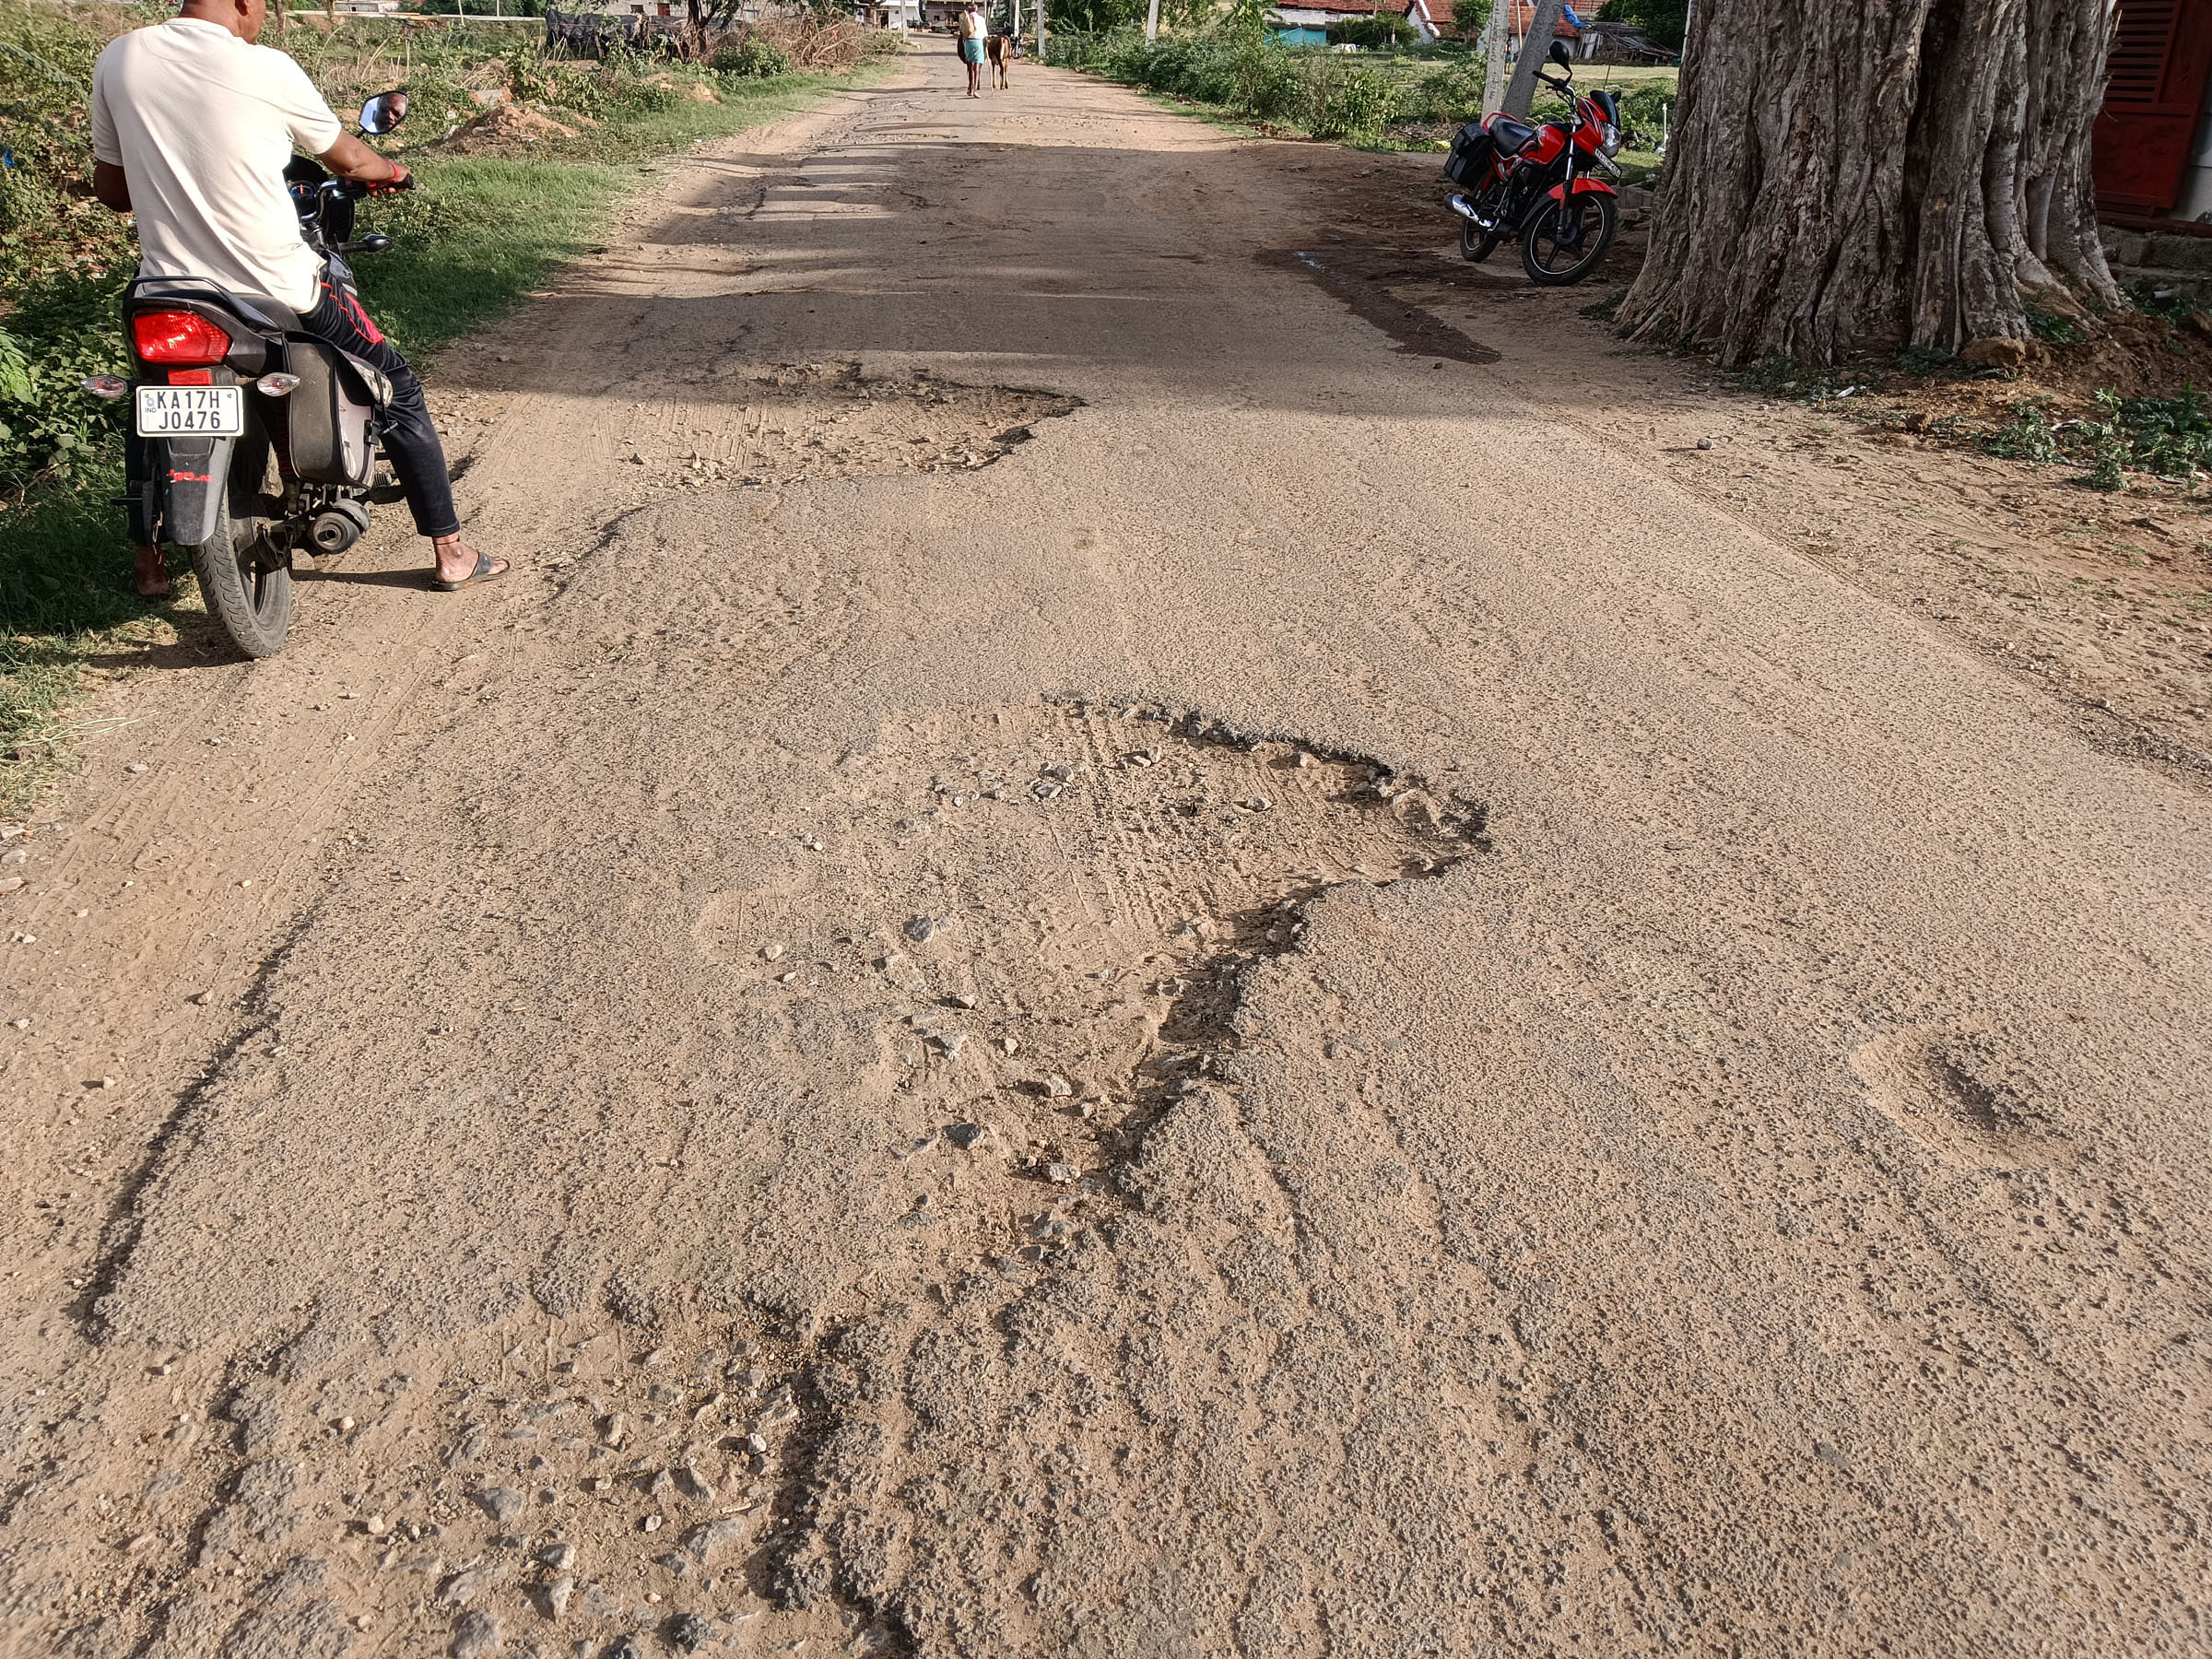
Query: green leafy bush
point(1643, 108)
point(1378, 30)
point(752, 57)
point(2054, 329)
point(1347, 100)
point(1452, 93)
point(1664, 22)
point(1269, 85)
point(2030, 435)
point(2169, 436)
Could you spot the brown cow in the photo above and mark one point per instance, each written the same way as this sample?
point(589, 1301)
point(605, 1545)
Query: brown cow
point(998, 49)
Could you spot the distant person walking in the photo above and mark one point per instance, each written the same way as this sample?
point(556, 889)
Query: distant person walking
point(973, 29)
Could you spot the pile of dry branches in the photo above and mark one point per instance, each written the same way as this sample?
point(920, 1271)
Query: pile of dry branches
point(813, 43)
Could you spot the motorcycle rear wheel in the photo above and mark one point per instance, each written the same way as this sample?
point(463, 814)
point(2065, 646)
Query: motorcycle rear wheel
point(1564, 241)
point(251, 598)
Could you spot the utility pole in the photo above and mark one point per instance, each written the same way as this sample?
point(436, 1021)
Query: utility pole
point(1493, 80)
point(1041, 5)
point(1522, 92)
point(1152, 23)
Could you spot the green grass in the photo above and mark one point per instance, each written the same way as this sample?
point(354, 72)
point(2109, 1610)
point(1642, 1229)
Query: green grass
point(475, 238)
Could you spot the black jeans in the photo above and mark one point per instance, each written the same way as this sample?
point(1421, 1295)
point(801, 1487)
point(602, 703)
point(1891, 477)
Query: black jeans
point(410, 441)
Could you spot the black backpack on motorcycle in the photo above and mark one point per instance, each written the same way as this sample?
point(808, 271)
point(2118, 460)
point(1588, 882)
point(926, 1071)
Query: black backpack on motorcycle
point(1469, 162)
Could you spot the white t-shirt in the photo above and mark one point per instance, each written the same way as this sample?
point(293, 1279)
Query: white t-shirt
point(973, 26)
point(202, 125)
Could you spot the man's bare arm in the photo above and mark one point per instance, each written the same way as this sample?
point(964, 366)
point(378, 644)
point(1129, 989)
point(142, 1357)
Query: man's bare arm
point(110, 185)
point(350, 159)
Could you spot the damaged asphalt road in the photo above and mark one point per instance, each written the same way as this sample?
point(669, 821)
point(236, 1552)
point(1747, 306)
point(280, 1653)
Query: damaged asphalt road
point(1203, 988)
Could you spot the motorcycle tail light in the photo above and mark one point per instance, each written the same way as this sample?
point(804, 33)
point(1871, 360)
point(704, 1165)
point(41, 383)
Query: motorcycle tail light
point(178, 338)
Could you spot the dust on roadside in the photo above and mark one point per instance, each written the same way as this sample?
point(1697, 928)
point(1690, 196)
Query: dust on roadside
point(2101, 598)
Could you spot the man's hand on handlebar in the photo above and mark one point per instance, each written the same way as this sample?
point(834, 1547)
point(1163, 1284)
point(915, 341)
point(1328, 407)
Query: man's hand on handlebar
point(401, 179)
point(352, 160)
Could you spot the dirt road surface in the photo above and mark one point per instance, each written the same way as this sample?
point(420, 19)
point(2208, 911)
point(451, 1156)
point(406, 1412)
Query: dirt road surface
point(1116, 948)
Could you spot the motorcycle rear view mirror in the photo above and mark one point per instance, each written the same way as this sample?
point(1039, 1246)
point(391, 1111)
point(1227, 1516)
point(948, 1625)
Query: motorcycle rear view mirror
point(1560, 55)
point(383, 112)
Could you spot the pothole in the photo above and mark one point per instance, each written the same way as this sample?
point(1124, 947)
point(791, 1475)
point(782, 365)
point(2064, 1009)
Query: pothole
point(1085, 888)
point(796, 423)
point(1011, 945)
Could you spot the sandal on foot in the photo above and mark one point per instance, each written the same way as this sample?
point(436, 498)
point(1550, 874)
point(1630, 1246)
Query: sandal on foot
point(487, 567)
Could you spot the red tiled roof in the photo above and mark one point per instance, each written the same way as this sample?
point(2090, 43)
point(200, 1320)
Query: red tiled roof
point(1523, 17)
point(1437, 12)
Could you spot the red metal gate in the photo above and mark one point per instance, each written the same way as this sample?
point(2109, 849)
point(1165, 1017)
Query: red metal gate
point(2153, 99)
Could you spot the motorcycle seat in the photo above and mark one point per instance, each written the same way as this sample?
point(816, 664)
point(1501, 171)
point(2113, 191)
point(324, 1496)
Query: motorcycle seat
point(264, 312)
point(1511, 136)
point(259, 311)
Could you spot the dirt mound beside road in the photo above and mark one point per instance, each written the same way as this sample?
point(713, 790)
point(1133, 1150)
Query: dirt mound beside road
point(506, 130)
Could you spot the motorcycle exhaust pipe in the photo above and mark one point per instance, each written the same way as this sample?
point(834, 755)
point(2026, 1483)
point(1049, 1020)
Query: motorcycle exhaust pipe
point(1465, 209)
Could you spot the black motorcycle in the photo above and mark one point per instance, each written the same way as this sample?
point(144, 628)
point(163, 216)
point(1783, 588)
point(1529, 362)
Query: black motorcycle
point(249, 438)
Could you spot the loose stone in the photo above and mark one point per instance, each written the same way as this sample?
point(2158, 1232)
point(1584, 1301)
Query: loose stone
point(710, 1536)
point(476, 1636)
point(501, 1504)
point(464, 1587)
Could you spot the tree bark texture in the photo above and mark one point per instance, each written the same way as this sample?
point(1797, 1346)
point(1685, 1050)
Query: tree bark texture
point(1878, 173)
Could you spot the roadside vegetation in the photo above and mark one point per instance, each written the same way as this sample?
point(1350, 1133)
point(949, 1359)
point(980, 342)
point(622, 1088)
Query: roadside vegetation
point(2114, 402)
point(1394, 96)
point(518, 156)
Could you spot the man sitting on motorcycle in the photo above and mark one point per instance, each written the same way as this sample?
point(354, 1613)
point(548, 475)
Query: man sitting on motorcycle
point(192, 126)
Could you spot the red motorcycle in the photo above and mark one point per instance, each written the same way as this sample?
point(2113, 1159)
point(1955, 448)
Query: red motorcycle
point(1533, 183)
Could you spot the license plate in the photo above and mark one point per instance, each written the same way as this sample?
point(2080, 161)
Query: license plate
point(191, 411)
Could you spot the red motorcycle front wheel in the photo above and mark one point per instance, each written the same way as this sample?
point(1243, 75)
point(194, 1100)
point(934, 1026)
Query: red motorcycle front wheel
point(1565, 241)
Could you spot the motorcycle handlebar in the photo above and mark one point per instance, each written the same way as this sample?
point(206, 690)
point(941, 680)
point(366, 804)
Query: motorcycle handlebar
point(358, 188)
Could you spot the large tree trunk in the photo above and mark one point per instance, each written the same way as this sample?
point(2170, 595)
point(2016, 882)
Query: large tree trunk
point(1878, 173)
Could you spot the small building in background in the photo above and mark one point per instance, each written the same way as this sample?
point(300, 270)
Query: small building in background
point(901, 15)
point(1307, 24)
point(1432, 20)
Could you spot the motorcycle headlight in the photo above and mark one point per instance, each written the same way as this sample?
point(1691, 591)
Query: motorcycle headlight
point(1609, 141)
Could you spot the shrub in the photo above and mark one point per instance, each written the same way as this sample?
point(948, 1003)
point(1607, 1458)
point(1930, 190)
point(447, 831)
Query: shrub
point(1378, 30)
point(1643, 108)
point(1269, 86)
point(752, 56)
point(2026, 435)
point(1452, 93)
point(1346, 101)
point(63, 329)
